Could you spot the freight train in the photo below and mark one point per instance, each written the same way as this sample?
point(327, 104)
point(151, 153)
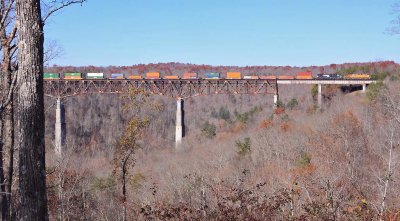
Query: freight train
point(307, 75)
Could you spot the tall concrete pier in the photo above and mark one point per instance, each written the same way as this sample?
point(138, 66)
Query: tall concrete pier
point(59, 128)
point(276, 99)
point(179, 122)
point(364, 88)
point(319, 96)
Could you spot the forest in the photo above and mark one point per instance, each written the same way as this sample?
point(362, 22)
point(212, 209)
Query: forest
point(241, 158)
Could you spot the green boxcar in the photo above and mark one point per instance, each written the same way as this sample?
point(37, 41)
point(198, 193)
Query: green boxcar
point(51, 76)
point(73, 74)
point(212, 75)
point(94, 77)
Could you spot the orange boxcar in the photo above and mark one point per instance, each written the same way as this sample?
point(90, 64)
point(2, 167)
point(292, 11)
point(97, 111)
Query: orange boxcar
point(233, 75)
point(171, 77)
point(268, 77)
point(135, 77)
point(153, 75)
point(190, 76)
point(304, 75)
point(73, 77)
point(285, 77)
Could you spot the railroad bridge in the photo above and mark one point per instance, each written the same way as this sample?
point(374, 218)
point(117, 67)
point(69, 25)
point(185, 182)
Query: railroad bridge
point(178, 89)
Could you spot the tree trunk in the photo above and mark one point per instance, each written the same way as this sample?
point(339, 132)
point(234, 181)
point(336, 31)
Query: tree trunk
point(3, 197)
point(32, 177)
point(7, 136)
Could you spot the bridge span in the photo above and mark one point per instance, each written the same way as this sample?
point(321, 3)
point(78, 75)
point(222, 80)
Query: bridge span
point(178, 89)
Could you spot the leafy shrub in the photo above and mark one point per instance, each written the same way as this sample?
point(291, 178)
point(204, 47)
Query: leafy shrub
point(135, 180)
point(214, 113)
point(292, 103)
point(209, 130)
point(285, 117)
point(243, 147)
point(246, 116)
point(305, 160)
point(102, 183)
point(243, 118)
point(374, 90)
point(380, 76)
point(224, 114)
point(280, 104)
point(314, 91)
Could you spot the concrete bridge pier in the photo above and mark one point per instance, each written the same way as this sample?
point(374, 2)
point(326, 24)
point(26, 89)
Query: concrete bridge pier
point(59, 127)
point(276, 99)
point(364, 88)
point(179, 123)
point(319, 96)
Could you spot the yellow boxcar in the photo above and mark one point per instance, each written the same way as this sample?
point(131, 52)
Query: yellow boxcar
point(135, 77)
point(285, 77)
point(171, 77)
point(233, 75)
point(357, 76)
point(153, 75)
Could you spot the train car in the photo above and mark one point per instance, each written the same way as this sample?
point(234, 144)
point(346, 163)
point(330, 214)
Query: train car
point(357, 76)
point(171, 77)
point(95, 75)
point(286, 77)
point(190, 75)
point(233, 75)
point(306, 75)
point(51, 76)
point(152, 75)
point(212, 75)
point(329, 77)
point(268, 77)
point(250, 77)
point(135, 77)
point(73, 76)
point(117, 76)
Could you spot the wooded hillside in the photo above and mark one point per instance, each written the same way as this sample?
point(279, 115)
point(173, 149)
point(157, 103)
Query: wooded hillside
point(240, 158)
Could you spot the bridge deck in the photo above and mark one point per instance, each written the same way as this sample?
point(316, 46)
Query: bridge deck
point(178, 88)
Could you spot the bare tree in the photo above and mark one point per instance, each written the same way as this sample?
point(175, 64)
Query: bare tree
point(389, 151)
point(8, 79)
point(32, 177)
point(129, 143)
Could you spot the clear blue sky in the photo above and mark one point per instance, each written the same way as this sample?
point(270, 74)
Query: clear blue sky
point(224, 32)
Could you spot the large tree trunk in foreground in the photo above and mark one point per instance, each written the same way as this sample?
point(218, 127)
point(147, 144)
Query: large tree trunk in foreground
point(32, 179)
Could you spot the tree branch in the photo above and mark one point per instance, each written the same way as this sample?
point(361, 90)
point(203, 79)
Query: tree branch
point(12, 35)
point(63, 5)
point(6, 13)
